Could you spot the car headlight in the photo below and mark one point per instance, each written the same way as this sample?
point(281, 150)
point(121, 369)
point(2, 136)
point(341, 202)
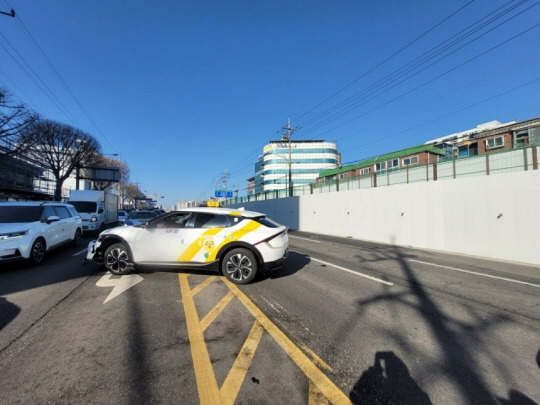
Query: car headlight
point(93, 219)
point(13, 235)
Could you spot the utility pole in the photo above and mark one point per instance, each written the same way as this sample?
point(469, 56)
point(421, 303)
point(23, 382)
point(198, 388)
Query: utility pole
point(286, 136)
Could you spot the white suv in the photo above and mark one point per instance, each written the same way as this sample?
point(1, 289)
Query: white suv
point(29, 229)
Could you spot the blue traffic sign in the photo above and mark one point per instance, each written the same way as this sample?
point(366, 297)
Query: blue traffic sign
point(223, 193)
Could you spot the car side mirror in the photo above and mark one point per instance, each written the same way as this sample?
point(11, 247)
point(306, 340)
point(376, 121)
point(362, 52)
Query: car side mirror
point(52, 218)
point(100, 211)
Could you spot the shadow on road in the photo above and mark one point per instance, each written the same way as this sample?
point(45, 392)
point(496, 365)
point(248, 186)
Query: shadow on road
point(59, 265)
point(388, 382)
point(295, 262)
point(8, 312)
point(458, 341)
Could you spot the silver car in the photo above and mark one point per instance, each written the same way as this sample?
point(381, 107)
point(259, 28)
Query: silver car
point(139, 217)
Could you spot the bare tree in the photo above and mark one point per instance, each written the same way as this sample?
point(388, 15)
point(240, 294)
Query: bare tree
point(128, 192)
point(104, 161)
point(15, 118)
point(61, 148)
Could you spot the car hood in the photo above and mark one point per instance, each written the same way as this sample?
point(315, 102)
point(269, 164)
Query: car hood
point(16, 227)
point(85, 215)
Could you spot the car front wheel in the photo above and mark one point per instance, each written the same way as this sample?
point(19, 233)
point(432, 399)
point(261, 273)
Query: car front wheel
point(239, 266)
point(77, 238)
point(38, 251)
point(116, 259)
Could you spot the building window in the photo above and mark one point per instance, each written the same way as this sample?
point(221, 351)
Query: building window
point(343, 176)
point(493, 143)
point(463, 150)
point(410, 161)
point(365, 171)
point(387, 165)
point(522, 138)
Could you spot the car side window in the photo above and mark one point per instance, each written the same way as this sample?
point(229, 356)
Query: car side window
point(205, 220)
point(48, 211)
point(178, 220)
point(62, 212)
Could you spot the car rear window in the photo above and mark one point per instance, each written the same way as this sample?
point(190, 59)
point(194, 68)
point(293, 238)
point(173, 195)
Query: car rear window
point(205, 220)
point(14, 214)
point(266, 222)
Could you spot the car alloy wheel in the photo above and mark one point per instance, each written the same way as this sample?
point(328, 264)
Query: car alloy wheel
point(239, 266)
point(116, 259)
point(38, 251)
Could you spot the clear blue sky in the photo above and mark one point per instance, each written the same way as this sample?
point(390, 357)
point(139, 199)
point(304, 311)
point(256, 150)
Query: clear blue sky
point(185, 90)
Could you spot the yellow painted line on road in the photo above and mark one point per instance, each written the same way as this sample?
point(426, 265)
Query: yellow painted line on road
point(214, 312)
point(231, 387)
point(312, 372)
point(316, 358)
point(315, 396)
point(204, 373)
point(203, 285)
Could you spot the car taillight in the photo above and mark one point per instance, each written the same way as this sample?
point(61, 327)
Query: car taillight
point(271, 237)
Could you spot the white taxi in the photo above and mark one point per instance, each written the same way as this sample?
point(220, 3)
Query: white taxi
point(238, 243)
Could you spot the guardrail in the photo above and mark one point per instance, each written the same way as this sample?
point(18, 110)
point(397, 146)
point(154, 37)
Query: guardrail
point(515, 160)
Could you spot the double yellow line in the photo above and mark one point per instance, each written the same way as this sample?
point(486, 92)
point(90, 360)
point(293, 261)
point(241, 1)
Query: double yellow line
point(209, 392)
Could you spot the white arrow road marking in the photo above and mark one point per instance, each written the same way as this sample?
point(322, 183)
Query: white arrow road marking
point(119, 284)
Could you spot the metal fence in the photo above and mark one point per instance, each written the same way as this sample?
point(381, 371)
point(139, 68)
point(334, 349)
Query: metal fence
point(515, 160)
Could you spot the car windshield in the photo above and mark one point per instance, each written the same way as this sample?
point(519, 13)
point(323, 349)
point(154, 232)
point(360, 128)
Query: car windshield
point(122, 213)
point(84, 206)
point(142, 215)
point(15, 214)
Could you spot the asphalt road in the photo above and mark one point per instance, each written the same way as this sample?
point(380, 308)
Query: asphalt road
point(344, 321)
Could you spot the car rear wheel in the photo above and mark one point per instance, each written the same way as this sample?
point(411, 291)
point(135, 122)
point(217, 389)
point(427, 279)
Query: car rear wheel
point(38, 251)
point(116, 259)
point(239, 266)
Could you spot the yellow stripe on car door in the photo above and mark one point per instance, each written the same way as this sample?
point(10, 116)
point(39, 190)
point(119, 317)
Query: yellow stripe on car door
point(197, 245)
point(249, 227)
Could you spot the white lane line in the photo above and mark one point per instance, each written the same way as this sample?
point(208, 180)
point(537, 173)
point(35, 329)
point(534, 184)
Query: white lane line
point(308, 239)
point(353, 272)
point(474, 272)
point(82, 251)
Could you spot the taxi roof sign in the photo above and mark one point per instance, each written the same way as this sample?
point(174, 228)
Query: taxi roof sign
point(212, 203)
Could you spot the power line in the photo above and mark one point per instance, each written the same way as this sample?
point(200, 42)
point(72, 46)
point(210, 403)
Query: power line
point(441, 75)
point(381, 84)
point(504, 93)
point(41, 85)
point(28, 33)
point(387, 59)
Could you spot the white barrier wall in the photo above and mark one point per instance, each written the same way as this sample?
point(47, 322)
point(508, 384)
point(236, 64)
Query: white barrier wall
point(490, 216)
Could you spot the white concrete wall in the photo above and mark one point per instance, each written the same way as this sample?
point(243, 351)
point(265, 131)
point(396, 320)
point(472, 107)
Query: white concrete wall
point(495, 216)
